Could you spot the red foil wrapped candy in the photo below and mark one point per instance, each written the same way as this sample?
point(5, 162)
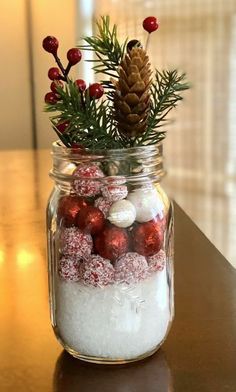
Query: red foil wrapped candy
point(147, 238)
point(91, 220)
point(68, 208)
point(112, 242)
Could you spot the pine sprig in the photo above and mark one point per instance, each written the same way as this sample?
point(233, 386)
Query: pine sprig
point(106, 46)
point(90, 122)
point(165, 94)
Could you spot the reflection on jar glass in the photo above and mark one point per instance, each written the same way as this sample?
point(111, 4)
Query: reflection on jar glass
point(150, 375)
point(110, 246)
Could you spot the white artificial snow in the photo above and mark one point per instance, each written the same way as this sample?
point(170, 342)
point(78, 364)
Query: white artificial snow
point(117, 321)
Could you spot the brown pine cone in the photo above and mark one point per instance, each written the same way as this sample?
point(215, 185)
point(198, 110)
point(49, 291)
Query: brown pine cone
point(132, 95)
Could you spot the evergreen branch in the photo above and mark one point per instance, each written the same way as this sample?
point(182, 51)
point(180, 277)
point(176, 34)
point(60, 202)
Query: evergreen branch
point(165, 94)
point(106, 47)
point(90, 122)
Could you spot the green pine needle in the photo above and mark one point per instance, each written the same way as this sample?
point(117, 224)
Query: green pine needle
point(90, 122)
point(165, 94)
point(106, 46)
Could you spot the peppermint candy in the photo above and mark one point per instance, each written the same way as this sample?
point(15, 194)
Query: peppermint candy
point(131, 268)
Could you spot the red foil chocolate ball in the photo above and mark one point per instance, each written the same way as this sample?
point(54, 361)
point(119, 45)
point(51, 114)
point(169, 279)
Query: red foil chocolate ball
point(90, 220)
point(112, 242)
point(68, 208)
point(147, 238)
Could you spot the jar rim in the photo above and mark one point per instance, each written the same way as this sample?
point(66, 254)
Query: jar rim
point(59, 149)
point(135, 162)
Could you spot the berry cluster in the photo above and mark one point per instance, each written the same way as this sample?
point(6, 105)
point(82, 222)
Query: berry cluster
point(59, 74)
point(74, 55)
point(101, 244)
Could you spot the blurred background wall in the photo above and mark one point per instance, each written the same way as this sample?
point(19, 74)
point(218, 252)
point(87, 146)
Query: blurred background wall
point(195, 36)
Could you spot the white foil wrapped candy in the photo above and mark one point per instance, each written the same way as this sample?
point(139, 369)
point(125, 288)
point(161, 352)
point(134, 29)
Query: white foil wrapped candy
point(122, 213)
point(147, 203)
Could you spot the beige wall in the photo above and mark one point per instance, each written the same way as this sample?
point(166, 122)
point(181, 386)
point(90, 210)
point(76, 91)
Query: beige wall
point(15, 108)
point(54, 17)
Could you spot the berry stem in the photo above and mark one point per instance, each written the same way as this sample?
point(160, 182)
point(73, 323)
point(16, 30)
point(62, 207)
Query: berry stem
point(147, 42)
point(62, 78)
point(67, 70)
point(58, 61)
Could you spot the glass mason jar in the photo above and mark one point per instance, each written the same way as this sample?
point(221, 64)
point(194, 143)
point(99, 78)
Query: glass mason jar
point(110, 250)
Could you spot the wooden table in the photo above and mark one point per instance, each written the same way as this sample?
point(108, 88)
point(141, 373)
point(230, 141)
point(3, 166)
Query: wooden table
point(200, 352)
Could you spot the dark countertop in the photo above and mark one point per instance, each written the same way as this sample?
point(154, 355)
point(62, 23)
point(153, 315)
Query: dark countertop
point(200, 351)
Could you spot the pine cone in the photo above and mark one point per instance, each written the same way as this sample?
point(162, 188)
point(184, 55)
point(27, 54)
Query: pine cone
point(132, 97)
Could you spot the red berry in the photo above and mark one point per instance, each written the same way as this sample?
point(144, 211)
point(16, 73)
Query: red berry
point(54, 73)
point(80, 83)
point(51, 98)
point(150, 24)
point(74, 56)
point(54, 86)
point(96, 90)
point(77, 146)
point(62, 126)
point(50, 44)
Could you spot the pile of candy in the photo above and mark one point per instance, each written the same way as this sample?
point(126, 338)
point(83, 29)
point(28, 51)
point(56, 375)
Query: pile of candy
point(109, 234)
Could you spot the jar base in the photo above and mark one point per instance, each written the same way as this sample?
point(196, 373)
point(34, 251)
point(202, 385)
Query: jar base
point(106, 361)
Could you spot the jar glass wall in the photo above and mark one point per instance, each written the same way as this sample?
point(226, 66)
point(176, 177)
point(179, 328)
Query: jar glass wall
point(110, 250)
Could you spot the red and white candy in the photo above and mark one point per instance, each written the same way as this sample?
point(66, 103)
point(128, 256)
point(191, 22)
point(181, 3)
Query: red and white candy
point(103, 205)
point(157, 262)
point(114, 192)
point(131, 268)
point(68, 269)
point(97, 271)
point(73, 242)
point(87, 185)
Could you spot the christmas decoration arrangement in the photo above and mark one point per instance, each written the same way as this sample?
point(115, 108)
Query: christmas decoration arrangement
point(112, 287)
point(127, 109)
